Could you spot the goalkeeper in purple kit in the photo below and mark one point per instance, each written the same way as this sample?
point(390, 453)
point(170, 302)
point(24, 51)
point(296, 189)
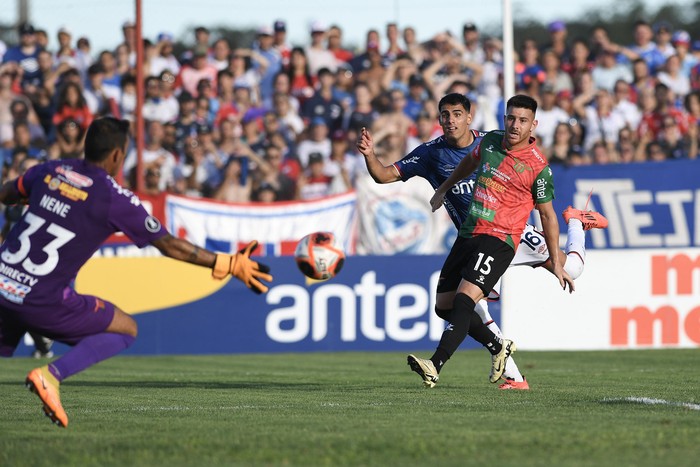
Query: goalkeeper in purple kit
point(73, 206)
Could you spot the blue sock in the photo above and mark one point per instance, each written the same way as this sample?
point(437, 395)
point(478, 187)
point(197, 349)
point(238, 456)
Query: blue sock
point(91, 350)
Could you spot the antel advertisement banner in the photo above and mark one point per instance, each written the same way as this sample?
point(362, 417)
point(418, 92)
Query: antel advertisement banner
point(623, 300)
point(375, 303)
point(651, 205)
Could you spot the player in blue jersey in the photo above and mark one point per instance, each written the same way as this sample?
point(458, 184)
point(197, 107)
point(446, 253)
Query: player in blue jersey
point(435, 161)
point(73, 206)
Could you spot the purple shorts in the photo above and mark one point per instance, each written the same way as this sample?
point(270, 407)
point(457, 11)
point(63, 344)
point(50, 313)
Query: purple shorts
point(68, 321)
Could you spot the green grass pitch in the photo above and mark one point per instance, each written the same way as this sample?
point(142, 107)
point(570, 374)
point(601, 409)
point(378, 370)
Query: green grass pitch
point(583, 409)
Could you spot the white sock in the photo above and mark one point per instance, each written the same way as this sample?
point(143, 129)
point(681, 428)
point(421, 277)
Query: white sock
point(576, 239)
point(511, 370)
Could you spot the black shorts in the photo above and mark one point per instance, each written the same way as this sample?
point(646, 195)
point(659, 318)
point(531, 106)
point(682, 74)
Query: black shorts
point(481, 260)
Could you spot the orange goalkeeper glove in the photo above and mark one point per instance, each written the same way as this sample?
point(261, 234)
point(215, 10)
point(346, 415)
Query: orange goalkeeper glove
point(243, 268)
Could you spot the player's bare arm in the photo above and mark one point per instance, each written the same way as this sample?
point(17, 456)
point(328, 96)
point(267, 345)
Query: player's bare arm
point(379, 172)
point(182, 250)
point(550, 229)
point(463, 170)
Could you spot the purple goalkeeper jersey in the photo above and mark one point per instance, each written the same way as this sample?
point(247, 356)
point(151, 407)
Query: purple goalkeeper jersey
point(73, 207)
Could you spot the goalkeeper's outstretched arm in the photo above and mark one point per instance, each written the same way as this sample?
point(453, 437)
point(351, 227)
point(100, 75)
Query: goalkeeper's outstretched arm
point(239, 265)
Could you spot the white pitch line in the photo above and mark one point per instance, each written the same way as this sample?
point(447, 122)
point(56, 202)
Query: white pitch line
point(650, 401)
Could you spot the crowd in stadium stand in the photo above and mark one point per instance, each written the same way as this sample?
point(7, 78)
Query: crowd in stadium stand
point(272, 121)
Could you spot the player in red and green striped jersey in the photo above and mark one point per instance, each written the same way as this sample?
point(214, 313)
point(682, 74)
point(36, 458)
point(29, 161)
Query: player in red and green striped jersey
point(513, 177)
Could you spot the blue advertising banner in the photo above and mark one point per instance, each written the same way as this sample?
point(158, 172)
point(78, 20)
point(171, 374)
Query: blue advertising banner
point(375, 303)
point(649, 205)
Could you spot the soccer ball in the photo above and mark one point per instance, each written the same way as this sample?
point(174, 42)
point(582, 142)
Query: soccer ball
point(319, 256)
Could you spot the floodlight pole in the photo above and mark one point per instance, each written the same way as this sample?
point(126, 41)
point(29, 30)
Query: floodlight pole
point(140, 92)
point(508, 55)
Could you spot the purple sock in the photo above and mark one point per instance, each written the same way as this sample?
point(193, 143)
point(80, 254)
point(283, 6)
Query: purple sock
point(91, 350)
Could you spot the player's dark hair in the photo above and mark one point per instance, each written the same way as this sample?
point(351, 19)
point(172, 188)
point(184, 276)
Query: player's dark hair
point(455, 98)
point(104, 136)
point(521, 101)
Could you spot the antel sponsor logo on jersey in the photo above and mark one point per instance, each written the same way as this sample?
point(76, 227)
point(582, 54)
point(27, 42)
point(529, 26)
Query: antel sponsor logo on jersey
point(67, 174)
point(541, 185)
point(66, 190)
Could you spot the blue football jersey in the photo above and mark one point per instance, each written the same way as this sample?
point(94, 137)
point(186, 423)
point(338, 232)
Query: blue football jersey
point(435, 161)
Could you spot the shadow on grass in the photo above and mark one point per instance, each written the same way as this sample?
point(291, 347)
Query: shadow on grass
point(257, 385)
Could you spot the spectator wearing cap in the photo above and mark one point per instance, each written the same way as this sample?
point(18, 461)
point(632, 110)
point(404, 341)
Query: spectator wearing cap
point(662, 37)
point(264, 46)
point(607, 71)
point(473, 50)
point(302, 83)
point(316, 141)
point(681, 43)
point(557, 40)
point(26, 55)
point(200, 68)
point(323, 103)
point(164, 58)
point(279, 41)
point(335, 45)
point(549, 115)
point(317, 54)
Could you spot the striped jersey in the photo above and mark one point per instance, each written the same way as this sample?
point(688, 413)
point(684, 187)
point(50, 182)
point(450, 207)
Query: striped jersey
point(508, 185)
